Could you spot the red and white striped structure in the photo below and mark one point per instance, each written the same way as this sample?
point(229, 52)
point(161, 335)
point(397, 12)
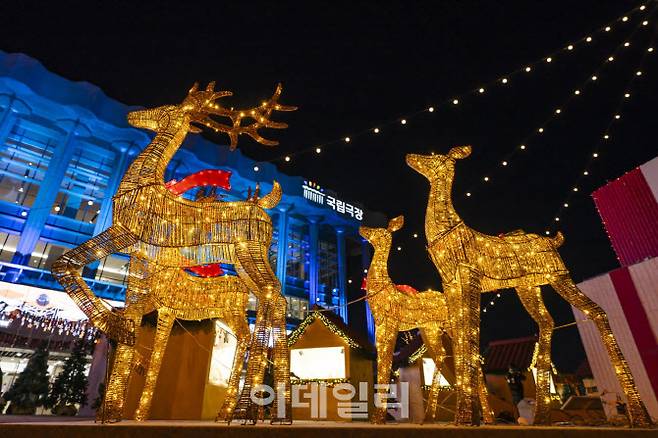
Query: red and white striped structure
point(629, 209)
point(629, 295)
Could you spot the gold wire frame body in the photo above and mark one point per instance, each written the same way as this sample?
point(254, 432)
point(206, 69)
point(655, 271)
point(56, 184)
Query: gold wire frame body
point(471, 263)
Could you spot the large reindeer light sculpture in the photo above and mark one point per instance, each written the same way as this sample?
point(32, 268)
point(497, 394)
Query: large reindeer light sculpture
point(154, 224)
point(394, 310)
point(471, 263)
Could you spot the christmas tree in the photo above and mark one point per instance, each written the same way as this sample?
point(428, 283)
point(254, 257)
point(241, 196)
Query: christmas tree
point(31, 387)
point(70, 386)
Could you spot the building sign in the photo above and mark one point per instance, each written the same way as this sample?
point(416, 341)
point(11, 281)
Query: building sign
point(314, 193)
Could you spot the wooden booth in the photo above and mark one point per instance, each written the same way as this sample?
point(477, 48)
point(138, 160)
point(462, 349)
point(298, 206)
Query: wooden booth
point(195, 370)
point(325, 352)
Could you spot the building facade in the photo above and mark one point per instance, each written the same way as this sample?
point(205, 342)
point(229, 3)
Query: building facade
point(64, 147)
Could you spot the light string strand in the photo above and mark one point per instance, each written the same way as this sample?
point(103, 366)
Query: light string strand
point(479, 90)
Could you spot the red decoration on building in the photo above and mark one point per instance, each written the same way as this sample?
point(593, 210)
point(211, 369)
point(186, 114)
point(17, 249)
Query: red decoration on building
point(629, 211)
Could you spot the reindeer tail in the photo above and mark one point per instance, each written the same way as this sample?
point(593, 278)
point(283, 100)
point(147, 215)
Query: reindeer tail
point(558, 240)
point(271, 199)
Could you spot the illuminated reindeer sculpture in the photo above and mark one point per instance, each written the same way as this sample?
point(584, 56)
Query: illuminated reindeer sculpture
point(158, 227)
point(471, 263)
point(395, 310)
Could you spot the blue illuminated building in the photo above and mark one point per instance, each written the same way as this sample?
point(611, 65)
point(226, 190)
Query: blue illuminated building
point(64, 147)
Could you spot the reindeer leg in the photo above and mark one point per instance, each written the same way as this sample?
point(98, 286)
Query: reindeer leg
point(238, 324)
point(67, 269)
point(638, 415)
point(432, 338)
point(385, 336)
point(281, 358)
point(487, 412)
point(115, 391)
point(254, 268)
point(465, 294)
point(532, 301)
point(163, 331)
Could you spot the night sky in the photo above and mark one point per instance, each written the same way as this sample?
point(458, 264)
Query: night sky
point(355, 66)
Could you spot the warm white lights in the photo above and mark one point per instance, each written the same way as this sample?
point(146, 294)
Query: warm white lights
point(549, 59)
point(347, 139)
point(527, 69)
point(481, 90)
point(504, 81)
point(376, 130)
point(540, 130)
point(455, 101)
point(570, 47)
point(318, 150)
point(576, 92)
point(594, 77)
point(522, 146)
point(430, 109)
point(504, 163)
point(90, 202)
point(403, 121)
point(468, 194)
point(558, 111)
point(256, 168)
point(287, 158)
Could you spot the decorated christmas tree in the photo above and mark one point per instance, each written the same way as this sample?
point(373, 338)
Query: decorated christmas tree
point(70, 387)
point(31, 387)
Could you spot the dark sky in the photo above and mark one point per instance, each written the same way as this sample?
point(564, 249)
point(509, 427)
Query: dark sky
point(352, 66)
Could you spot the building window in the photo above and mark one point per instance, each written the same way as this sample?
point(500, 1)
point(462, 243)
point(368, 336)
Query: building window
point(84, 186)
point(8, 244)
point(328, 264)
point(24, 160)
point(297, 253)
point(113, 269)
point(45, 254)
point(297, 307)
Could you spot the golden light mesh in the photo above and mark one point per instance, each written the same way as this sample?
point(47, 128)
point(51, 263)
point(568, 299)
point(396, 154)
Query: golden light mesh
point(163, 233)
point(394, 311)
point(471, 263)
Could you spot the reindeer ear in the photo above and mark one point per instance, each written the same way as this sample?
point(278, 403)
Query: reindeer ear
point(459, 152)
point(395, 224)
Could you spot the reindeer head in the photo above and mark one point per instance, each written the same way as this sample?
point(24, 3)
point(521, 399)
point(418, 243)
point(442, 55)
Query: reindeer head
point(436, 166)
point(200, 105)
point(381, 238)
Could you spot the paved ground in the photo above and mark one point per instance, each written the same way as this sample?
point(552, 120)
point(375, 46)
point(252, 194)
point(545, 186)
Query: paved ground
point(58, 427)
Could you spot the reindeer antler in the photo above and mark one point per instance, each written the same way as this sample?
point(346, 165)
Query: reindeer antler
point(259, 115)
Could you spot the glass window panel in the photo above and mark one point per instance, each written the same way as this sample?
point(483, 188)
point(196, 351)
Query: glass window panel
point(8, 244)
point(113, 269)
point(45, 254)
point(24, 160)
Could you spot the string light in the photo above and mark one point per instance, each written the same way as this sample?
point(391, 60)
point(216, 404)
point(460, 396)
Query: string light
point(503, 79)
point(577, 92)
point(287, 158)
point(403, 121)
point(376, 130)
